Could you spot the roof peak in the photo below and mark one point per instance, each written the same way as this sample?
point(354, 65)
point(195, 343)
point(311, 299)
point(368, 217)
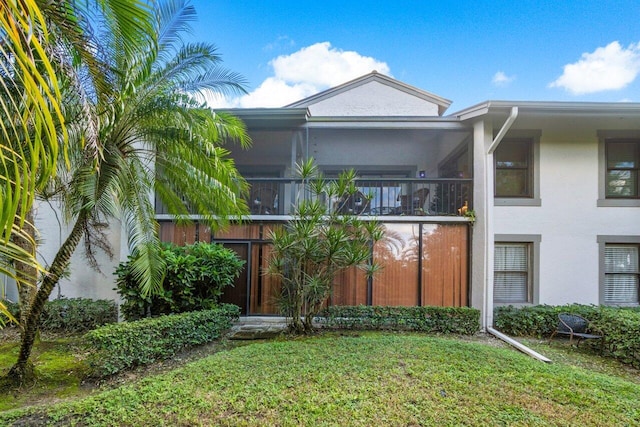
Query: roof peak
point(376, 76)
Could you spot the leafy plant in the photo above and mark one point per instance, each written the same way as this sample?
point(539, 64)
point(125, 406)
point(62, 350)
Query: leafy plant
point(317, 243)
point(124, 345)
point(195, 279)
point(73, 314)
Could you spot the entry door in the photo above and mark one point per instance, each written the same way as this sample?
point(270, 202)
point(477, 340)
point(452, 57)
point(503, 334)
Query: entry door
point(238, 293)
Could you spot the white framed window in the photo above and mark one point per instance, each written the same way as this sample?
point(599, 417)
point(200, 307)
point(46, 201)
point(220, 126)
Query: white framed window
point(619, 168)
point(512, 273)
point(621, 274)
point(623, 166)
point(517, 169)
point(514, 168)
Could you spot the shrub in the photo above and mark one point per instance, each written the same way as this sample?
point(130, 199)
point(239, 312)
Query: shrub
point(454, 320)
point(195, 278)
point(538, 320)
point(620, 326)
point(73, 314)
point(318, 243)
point(121, 346)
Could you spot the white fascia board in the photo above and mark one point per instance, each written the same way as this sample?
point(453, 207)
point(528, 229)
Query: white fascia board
point(551, 108)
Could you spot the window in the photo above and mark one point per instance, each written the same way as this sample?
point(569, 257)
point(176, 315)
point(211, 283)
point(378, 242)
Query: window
point(512, 273)
point(622, 166)
point(514, 168)
point(621, 274)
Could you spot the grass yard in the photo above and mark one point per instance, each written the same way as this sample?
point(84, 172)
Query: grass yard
point(60, 371)
point(360, 380)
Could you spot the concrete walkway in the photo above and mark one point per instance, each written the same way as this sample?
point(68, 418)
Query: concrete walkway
point(257, 327)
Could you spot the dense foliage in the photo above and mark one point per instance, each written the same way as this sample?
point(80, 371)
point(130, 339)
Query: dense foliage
point(138, 126)
point(620, 326)
point(195, 279)
point(454, 320)
point(319, 242)
point(121, 346)
point(73, 314)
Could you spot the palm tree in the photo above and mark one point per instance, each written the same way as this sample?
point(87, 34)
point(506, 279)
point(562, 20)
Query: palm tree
point(153, 134)
point(29, 109)
point(42, 39)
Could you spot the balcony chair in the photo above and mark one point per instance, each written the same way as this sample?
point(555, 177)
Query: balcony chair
point(263, 200)
point(413, 204)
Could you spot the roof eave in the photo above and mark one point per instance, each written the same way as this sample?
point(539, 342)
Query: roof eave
point(549, 107)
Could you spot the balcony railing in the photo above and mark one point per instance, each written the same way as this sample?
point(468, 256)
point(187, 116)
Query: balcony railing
point(375, 197)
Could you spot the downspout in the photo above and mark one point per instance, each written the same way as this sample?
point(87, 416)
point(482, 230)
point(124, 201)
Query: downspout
point(489, 210)
point(503, 131)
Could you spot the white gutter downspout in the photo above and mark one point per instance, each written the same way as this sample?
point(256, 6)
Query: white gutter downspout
point(503, 131)
point(489, 244)
point(489, 211)
point(523, 348)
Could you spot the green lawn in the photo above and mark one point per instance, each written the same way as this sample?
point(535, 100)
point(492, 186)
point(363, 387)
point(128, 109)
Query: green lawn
point(361, 380)
point(60, 369)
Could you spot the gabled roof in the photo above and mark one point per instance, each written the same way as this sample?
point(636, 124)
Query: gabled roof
point(374, 76)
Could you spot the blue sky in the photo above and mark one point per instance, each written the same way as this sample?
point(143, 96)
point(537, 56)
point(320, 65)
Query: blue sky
point(465, 51)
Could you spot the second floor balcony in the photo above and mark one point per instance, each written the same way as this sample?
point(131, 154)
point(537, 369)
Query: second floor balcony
point(375, 197)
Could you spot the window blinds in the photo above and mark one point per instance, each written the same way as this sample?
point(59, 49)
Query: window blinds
point(511, 273)
point(621, 274)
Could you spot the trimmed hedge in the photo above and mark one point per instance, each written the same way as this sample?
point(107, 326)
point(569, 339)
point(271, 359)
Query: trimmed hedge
point(73, 315)
point(121, 346)
point(621, 326)
point(451, 320)
point(537, 320)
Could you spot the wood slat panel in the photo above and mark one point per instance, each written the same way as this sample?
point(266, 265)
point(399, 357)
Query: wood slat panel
point(244, 231)
point(397, 283)
point(204, 233)
point(264, 288)
point(178, 234)
point(445, 265)
point(350, 288)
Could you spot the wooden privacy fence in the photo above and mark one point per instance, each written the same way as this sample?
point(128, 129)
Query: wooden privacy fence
point(423, 264)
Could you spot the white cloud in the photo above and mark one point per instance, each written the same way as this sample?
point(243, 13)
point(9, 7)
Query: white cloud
point(607, 68)
point(303, 73)
point(501, 79)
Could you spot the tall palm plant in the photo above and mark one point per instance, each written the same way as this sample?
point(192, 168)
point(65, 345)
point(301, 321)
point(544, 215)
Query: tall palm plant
point(41, 42)
point(29, 111)
point(153, 135)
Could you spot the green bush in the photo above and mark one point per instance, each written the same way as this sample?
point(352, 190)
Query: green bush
point(114, 348)
point(537, 320)
point(195, 279)
point(620, 326)
point(453, 320)
point(73, 314)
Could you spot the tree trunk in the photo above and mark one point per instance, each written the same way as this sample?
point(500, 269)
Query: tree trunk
point(22, 370)
point(26, 273)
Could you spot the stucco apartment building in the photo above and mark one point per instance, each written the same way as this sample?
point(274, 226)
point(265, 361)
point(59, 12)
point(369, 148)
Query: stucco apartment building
point(550, 190)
